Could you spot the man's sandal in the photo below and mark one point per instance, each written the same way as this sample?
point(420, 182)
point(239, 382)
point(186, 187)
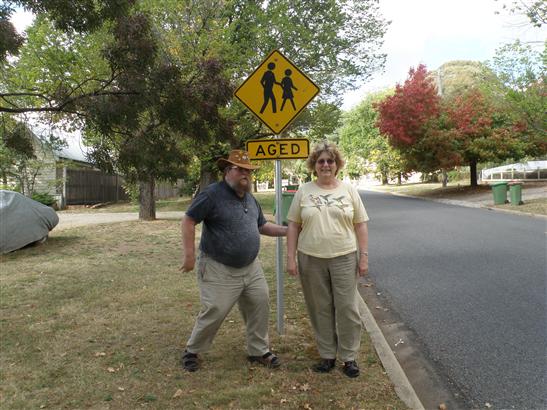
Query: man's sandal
point(190, 361)
point(268, 359)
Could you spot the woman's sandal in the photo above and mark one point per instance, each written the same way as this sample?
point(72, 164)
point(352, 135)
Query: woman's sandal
point(190, 361)
point(268, 359)
point(324, 366)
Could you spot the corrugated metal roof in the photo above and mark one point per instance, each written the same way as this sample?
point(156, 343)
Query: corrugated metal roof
point(74, 151)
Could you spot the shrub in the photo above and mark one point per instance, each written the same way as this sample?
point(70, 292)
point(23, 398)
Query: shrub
point(15, 188)
point(44, 198)
point(132, 191)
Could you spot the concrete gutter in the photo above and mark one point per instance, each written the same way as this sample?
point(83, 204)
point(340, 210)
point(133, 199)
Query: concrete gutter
point(403, 388)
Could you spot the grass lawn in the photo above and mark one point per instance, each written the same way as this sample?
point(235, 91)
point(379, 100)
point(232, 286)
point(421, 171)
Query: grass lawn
point(536, 206)
point(97, 317)
point(266, 200)
point(434, 190)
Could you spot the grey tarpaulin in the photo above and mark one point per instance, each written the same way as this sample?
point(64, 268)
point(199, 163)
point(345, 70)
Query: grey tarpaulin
point(23, 221)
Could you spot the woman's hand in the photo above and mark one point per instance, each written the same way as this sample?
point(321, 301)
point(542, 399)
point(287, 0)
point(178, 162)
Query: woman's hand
point(292, 268)
point(292, 239)
point(362, 268)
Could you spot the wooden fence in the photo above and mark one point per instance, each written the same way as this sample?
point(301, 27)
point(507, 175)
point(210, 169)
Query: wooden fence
point(88, 186)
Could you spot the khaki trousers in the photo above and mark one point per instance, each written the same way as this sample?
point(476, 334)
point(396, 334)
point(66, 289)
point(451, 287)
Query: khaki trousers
point(330, 286)
point(221, 287)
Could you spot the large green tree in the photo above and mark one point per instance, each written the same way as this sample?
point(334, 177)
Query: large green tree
point(333, 41)
point(74, 20)
point(520, 90)
point(365, 148)
point(143, 132)
point(479, 131)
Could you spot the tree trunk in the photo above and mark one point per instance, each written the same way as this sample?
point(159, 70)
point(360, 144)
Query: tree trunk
point(399, 178)
point(473, 172)
point(207, 177)
point(147, 202)
point(444, 178)
point(384, 178)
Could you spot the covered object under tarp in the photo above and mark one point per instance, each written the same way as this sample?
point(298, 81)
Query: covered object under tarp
point(23, 221)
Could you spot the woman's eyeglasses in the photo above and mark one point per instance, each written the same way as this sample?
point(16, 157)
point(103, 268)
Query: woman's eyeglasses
point(322, 161)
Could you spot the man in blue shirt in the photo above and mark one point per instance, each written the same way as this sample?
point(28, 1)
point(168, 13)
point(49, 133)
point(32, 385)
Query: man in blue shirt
point(228, 269)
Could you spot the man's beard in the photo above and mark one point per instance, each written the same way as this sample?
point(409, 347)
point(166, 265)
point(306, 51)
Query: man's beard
point(238, 187)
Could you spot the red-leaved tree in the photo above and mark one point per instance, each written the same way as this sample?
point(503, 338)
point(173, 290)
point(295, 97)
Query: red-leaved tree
point(404, 115)
point(434, 134)
point(412, 120)
point(482, 132)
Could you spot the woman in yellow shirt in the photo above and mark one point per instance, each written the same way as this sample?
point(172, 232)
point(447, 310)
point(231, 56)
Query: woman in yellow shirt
point(329, 237)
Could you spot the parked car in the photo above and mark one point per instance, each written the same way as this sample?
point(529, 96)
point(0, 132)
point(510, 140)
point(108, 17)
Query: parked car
point(23, 221)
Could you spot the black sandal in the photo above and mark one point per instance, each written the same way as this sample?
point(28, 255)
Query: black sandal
point(324, 366)
point(268, 359)
point(351, 369)
point(190, 361)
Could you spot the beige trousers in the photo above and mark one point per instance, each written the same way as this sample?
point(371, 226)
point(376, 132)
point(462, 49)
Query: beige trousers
point(330, 286)
point(221, 287)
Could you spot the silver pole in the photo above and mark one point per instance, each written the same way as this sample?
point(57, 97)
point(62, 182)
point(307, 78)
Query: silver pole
point(279, 250)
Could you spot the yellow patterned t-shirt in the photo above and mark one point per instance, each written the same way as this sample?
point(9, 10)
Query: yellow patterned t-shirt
point(327, 217)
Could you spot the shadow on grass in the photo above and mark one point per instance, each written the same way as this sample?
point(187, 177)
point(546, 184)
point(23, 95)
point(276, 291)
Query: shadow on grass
point(50, 247)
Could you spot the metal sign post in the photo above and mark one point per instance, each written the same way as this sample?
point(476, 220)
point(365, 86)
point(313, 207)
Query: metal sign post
point(279, 251)
point(276, 92)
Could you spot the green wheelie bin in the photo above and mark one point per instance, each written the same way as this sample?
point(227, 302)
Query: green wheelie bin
point(499, 190)
point(286, 201)
point(515, 193)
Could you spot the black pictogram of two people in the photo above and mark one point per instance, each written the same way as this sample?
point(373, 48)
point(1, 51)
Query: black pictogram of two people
point(268, 81)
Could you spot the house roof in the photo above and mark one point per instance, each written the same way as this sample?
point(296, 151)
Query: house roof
point(74, 151)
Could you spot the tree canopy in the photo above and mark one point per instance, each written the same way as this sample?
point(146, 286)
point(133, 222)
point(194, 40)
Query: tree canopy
point(465, 128)
point(364, 147)
point(150, 82)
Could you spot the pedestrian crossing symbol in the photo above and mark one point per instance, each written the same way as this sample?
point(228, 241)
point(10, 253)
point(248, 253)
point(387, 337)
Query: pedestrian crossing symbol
point(277, 91)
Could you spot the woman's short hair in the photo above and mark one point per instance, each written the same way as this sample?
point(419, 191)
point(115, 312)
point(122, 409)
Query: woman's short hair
point(330, 149)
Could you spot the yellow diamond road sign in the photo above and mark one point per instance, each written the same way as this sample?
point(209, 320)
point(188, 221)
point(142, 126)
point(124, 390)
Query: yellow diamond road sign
point(277, 91)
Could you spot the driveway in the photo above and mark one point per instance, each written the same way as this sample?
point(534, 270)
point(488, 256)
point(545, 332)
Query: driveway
point(71, 220)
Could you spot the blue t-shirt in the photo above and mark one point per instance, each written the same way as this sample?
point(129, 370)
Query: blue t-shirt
point(230, 224)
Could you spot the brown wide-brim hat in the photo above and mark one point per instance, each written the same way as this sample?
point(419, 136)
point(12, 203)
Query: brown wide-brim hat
point(237, 157)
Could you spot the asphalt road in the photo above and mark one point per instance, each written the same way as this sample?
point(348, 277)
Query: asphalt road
point(471, 284)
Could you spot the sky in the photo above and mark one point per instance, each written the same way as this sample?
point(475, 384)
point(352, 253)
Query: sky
point(431, 32)
point(434, 32)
